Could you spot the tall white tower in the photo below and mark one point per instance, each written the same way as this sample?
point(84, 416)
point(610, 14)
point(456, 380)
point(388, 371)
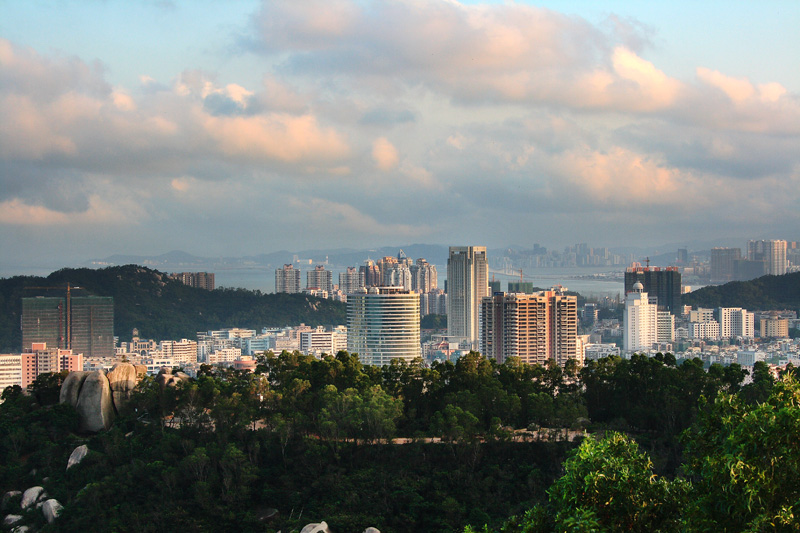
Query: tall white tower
point(383, 324)
point(641, 320)
point(467, 284)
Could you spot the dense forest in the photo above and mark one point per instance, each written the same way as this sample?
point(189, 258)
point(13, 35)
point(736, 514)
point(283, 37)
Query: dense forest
point(162, 308)
point(766, 292)
point(663, 445)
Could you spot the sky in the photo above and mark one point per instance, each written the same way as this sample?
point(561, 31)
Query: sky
point(244, 127)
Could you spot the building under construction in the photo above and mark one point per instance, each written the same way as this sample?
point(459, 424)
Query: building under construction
point(84, 324)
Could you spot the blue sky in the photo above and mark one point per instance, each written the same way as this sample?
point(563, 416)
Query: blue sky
point(245, 127)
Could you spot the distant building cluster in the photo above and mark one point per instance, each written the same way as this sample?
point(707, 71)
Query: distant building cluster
point(764, 257)
point(198, 280)
point(418, 277)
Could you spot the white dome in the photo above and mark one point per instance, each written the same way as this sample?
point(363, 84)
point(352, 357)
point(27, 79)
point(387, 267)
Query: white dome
point(638, 286)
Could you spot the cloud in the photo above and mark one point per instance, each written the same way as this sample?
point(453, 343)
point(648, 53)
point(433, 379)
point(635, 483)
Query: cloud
point(385, 154)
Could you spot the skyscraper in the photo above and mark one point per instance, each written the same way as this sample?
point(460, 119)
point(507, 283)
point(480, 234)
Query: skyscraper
point(662, 283)
point(320, 278)
point(467, 285)
point(533, 327)
point(424, 277)
point(383, 324)
point(722, 264)
point(773, 253)
point(641, 320)
point(287, 279)
point(84, 324)
point(349, 280)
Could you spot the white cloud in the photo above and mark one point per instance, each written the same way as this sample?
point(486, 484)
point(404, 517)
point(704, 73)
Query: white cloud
point(385, 154)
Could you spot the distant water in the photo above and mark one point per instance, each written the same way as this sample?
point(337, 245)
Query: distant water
point(574, 279)
point(261, 278)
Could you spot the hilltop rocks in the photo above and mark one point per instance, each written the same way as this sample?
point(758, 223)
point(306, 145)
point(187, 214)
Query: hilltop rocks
point(166, 378)
point(77, 455)
point(71, 387)
point(322, 527)
point(7, 498)
point(99, 397)
point(95, 407)
point(51, 509)
point(122, 379)
point(11, 519)
point(31, 496)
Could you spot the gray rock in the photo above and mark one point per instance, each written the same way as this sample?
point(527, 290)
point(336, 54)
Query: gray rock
point(31, 496)
point(21, 529)
point(372, 530)
point(141, 370)
point(71, 388)
point(122, 379)
point(8, 496)
point(94, 407)
point(11, 519)
point(51, 509)
point(77, 455)
point(322, 527)
point(166, 378)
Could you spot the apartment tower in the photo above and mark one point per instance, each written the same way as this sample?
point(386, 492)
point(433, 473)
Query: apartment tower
point(467, 285)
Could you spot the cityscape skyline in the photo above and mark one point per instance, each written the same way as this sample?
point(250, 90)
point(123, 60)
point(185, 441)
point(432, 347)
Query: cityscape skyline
point(238, 129)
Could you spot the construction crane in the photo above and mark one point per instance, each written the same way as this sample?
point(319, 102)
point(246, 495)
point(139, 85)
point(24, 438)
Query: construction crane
point(68, 343)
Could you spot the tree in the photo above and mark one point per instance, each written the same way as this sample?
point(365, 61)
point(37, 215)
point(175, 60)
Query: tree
point(609, 484)
point(745, 462)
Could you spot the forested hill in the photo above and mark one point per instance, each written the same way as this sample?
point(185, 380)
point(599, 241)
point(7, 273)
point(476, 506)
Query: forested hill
point(162, 308)
point(766, 292)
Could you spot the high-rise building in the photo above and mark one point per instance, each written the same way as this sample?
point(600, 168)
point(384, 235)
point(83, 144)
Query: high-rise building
point(182, 352)
point(735, 322)
point(424, 277)
point(661, 283)
point(320, 278)
point(433, 303)
point(773, 253)
point(383, 324)
point(349, 280)
point(722, 264)
point(84, 324)
point(198, 280)
point(467, 285)
point(641, 320)
point(666, 327)
point(533, 327)
point(525, 287)
point(369, 274)
point(287, 279)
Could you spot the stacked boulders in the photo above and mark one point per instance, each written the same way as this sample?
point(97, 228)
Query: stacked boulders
point(166, 378)
point(98, 396)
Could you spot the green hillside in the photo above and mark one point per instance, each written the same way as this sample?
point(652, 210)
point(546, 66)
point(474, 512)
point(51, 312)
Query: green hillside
point(766, 292)
point(162, 308)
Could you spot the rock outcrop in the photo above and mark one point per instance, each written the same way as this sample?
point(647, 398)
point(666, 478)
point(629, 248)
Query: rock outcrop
point(71, 388)
point(95, 407)
point(8, 496)
point(51, 509)
point(77, 455)
point(322, 527)
point(31, 496)
point(166, 378)
point(11, 519)
point(122, 379)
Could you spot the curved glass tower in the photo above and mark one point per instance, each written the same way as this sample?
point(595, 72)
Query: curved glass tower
point(383, 324)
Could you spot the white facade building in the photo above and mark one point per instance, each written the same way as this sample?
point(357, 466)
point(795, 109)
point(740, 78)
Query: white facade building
point(641, 321)
point(383, 324)
point(735, 322)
